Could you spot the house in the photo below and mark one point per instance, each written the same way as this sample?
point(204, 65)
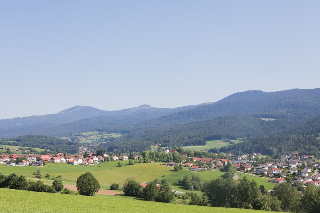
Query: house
point(136, 157)
point(224, 161)
point(307, 178)
point(11, 164)
point(299, 179)
point(269, 164)
point(144, 184)
point(264, 166)
point(31, 159)
point(304, 173)
point(276, 170)
point(307, 169)
point(123, 157)
point(45, 157)
point(194, 168)
point(56, 159)
point(293, 164)
point(115, 158)
point(277, 180)
point(21, 164)
point(94, 158)
point(38, 163)
point(316, 183)
point(260, 171)
point(60, 155)
point(205, 160)
point(188, 164)
point(293, 171)
point(4, 160)
point(167, 150)
point(73, 162)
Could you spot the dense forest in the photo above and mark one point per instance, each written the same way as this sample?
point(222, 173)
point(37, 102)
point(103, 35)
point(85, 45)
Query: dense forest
point(42, 142)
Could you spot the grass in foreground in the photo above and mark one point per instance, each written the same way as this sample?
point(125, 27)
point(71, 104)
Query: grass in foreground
point(25, 201)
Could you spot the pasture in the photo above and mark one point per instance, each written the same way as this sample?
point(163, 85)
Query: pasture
point(26, 201)
point(210, 145)
point(108, 173)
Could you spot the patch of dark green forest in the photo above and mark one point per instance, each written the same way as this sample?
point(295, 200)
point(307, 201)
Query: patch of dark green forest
point(43, 142)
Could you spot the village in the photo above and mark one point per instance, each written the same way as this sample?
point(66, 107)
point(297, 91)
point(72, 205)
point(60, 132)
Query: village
point(291, 167)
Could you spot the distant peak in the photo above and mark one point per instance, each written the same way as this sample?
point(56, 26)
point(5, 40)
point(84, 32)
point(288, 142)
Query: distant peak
point(72, 109)
point(144, 106)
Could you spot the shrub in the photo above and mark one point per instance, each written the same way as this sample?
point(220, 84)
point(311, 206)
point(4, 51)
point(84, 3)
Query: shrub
point(68, 191)
point(40, 187)
point(114, 186)
point(57, 185)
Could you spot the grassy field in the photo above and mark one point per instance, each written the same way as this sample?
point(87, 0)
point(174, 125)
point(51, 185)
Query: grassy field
point(107, 173)
point(25, 201)
point(13, 148)
point(210, 145)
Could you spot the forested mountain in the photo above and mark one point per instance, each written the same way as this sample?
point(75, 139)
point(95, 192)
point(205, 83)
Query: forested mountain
point(238, 115)
point(304, 139)
point(65, 122)
point(65, 116)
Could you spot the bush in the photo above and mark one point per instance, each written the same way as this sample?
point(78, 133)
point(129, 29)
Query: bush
point(2, 180)
point(87, 184)
point(57, 185)
point(114, 186)
point(178, 167)
point(40, 187)
point(68, 191)
point(197, 199)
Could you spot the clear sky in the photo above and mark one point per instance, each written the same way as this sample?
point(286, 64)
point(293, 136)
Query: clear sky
point(118, 54)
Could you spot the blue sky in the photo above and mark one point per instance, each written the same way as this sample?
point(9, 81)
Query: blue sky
point(119, 54)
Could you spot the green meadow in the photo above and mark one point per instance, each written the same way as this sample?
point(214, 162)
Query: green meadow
point(5, 147)
point(26, 201)
point(108, 173)
point(210, 145)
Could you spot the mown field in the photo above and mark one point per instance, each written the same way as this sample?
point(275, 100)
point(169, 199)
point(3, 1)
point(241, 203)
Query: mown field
point(210, 145)
point(3, 148)
point(26, 201)
point(108, 173)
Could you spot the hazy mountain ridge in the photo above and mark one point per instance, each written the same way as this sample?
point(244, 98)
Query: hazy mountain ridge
point(80, 118)
point(296, 105)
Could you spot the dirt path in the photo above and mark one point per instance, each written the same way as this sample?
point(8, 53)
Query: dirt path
point(100, 192)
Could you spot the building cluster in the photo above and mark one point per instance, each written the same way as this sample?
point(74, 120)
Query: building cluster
point(303, 168)
point(39, 160)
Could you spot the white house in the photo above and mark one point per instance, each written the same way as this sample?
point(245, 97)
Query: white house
point(123, 157)
point(166, 151)
point(11, 164)
point(56, 160)
point(276, 170)
point(115, 158)
point(307, 169)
